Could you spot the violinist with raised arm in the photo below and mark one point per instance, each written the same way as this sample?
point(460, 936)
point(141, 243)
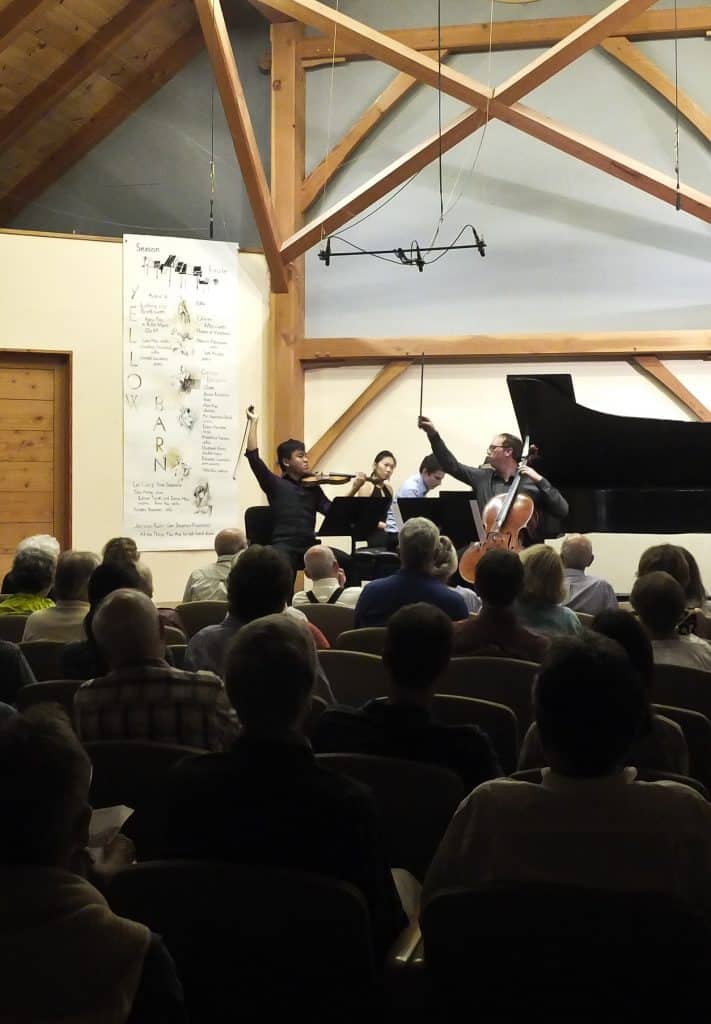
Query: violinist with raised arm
point(496, 475)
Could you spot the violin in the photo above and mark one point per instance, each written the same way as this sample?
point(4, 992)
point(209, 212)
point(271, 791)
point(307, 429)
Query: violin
point(317, 479)
point(505, 517)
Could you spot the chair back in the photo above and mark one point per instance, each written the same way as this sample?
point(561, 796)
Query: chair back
point(195, 615)
point(318, 706)
point(497, 720)
point(682, 688)
point(375, 563)
point(12, 627)
point(502, 680)
point(177, 654)
point(251, 940)
point(331, 619)
point(259, 524)
point(128, 771)
point(535, 775)
point(368, 640)
point(43, 658)
point(697, 733)
point(54, 691)
point(574, 951)
point(354, 677)
point(415, 801)
point(586, 619)
point(172, 635)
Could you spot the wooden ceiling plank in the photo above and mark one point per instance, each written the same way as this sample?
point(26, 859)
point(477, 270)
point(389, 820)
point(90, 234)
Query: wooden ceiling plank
point(632, 57)
point(102, 124)
point(18, 17)
point(77, 68)
point(388, 99)
point(671, 383)
point(239, 122)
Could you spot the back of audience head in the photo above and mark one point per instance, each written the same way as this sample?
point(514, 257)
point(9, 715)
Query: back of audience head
point(590, 705)
point(665, 558)
point(127, 628)
point(320, 563)
point(106, 578)
point(576, 552)
point(259, 583)
point(543, 580)
point(660, 602)
point(44, 799)
point(40, 542)
point(695, 590)
point(230, 542)
point(419, 539)
point(120, 549)
point(71, 580)
point(631, 635)
point(270, 671)
point(499, 578)
point(418, 645)
point(445, 560)
point(33, 571)
point(146, 578)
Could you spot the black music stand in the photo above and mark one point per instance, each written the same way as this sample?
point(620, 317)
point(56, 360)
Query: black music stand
point(451, 513)
point(354, 518)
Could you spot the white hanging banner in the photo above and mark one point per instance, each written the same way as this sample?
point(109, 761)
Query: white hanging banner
point(180, 390)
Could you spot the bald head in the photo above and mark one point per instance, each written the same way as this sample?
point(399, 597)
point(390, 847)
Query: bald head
point(576, 552)
point(230, 542)
point(127, 628)
point(320, 563)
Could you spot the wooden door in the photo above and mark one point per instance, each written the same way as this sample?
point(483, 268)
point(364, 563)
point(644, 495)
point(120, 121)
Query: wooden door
point(35, 438)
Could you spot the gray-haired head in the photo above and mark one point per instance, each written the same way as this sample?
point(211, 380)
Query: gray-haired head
point(40, 542)
point(419, 539)
point(230, 542)
point(71, 580)
point(33, 572)
point(320, 563)
point(127, 628)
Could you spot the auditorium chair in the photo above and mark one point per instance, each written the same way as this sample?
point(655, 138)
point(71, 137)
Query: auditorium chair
point(374, 563)
point(586, 619)
point(535, 775)
point(682, 688)
point(195, 615)
point(43, 658)
point(368, 639)
point(259, 524)
point(12, 627)
point(53, 691)
point(127, 771)
point(697, 733)
point(172, 635)
point(502, 680)
point(331, 619)
point(355, 677)
point(177, 654)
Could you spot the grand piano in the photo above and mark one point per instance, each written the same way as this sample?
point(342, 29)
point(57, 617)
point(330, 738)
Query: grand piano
point(619, 474)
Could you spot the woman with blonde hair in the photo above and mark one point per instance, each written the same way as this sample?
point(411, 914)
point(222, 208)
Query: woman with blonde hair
point(539, 608)
point(444, 569)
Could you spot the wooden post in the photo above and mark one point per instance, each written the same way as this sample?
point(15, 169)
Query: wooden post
point(288, 166)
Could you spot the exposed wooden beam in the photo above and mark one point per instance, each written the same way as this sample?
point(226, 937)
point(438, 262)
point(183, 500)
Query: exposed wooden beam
point(18, 17)
point(234, 103)
point(102, 124)
point(656, 369)
point(400, 86)
point(533, 33)
point(633, 58)
point(33, 107)
point(269, 13)
point(495, 347)
point(382, 380)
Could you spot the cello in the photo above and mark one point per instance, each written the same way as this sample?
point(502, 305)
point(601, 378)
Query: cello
point(504, 517)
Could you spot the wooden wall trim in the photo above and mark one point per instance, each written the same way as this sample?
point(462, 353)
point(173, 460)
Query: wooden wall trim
point(671, 383)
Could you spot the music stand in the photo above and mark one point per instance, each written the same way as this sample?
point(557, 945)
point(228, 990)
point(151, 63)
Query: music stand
point(451, 513)
point(354, 518)
point(426, 508)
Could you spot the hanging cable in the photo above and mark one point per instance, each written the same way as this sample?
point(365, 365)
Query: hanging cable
point(676, 107)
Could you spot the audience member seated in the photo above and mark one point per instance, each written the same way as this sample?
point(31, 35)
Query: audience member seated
point(39, 541)
point(538, 606)
point(665, 558)
point(584, 593)
point(142, 697)
point(590, 822)
point(661, 745)
point(210, 582)
point(65, 622)
point(14, 671)
point(266, 801)
point(168, 616)
point(445, 569)
point(63, 954)
point(695, 590)
point(83, 659)
point(32, 577)
point(496, 630)
point(329, 580)
point(660, 602)
point(120, 549)
point(419, 541)
point(417, 650)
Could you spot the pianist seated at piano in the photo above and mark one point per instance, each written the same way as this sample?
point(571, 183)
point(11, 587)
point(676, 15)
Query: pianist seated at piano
point(660, 602)
point(585, 592)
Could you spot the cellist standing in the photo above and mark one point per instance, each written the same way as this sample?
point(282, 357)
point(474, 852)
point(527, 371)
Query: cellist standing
point(496, 475)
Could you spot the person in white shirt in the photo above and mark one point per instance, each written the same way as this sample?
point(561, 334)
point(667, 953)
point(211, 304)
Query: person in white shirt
point(584, 593)
point(321, 566)
point(210, 582)
point(590, 822)
point(660, 602)
point(65, 622)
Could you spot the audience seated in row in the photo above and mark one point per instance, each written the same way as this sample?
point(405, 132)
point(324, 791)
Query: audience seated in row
point(590, 822)
point(496, 630)
point(539, 604)
point(584, 592)
point(266, 800)
point(142, 697)
point(63, 954)
point(660, 746)
point(419, 542)
point(40, 542)
point(329, 580)
point(32, 576)
point(209, 583)
point(445, 569)
point(64, 623)
point(417, 651)
point(660, 602)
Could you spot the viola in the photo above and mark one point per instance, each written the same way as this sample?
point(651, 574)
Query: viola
point(317, 479)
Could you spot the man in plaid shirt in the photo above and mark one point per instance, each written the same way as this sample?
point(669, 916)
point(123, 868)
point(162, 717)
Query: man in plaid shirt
point(143, 697)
